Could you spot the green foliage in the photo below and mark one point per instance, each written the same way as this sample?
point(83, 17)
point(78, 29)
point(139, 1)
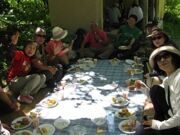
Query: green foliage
point(27, 15)
point(172, 11)
point(172, 19)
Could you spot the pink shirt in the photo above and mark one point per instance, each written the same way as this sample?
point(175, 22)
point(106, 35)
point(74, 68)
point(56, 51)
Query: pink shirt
point(54, 45)
point(90, 38)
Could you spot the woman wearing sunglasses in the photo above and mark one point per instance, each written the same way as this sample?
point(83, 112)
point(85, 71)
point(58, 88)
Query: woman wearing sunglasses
point(166, 98)
point(159, 38)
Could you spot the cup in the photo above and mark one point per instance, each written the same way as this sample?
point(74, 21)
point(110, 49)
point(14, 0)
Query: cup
point(132, 122)
point(135, 58)
point(35, 121)
point(139, 60)
point(125, 92)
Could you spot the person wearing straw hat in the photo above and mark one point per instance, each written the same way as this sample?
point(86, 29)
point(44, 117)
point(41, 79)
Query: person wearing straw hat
point(56, 49)
point(159, 38)
point(98, 43)
point(165, 98)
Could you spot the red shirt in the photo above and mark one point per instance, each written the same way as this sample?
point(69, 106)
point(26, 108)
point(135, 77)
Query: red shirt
point(20, 66)
point(54, 45)
point(90, 38)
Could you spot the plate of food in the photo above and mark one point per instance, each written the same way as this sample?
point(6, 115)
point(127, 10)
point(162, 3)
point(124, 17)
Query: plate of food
point(128, 126)
point(124, 113)
point(49, 102)
point(138, 71)
point(123, 47)
point(136, 65)
point(61, 123)
point(23, 132)
point(44, 129)
point(114, 61)
point(21, 122)
point(129, 61)
point(119, 101)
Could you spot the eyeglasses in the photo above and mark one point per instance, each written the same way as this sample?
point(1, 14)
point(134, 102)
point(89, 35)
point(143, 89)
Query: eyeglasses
point(163, 55)
point(41, 36)
point(158, 37)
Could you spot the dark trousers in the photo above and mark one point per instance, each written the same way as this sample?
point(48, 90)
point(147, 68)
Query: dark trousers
point(4, 108)
point(52, 80)
point(161, 108)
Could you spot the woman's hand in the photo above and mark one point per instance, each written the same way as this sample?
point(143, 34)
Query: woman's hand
point(147, 123)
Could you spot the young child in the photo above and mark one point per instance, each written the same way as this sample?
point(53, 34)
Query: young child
point(19, 79)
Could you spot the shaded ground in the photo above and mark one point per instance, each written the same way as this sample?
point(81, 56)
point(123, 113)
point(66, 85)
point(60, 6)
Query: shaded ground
point(25, 108)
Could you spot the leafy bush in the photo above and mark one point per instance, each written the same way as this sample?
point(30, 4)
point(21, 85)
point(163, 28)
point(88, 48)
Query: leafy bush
point(27, 15)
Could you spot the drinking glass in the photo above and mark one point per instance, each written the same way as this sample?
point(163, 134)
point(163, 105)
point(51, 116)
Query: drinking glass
point(131, 72)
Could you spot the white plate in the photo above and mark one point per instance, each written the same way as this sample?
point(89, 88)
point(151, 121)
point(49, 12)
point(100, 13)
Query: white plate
point(99, 121)
point(61, 123)
point(123, 47)
point(17, 123)
point(135, 65)
point(114, 61)
point(132, 113)
point(22, 132)
point(138, 71)
point(49, 102)
point(130, 62)
point(122, 102)
point(47, 129)
point(124, 122)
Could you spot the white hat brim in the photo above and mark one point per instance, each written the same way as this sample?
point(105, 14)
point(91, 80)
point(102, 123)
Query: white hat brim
point(62, 36)
point(168, 48)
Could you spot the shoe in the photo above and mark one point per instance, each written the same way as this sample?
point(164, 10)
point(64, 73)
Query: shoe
point(25, 99)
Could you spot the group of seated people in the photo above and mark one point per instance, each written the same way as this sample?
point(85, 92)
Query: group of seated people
point(42, 64)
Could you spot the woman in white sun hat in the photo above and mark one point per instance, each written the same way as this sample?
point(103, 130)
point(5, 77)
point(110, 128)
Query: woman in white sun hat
point(166, 97)
point(56, 49)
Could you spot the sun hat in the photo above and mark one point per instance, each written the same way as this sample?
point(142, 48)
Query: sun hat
point(58, 33)
point(40, 31)
point(167, 48)
point(157, 31)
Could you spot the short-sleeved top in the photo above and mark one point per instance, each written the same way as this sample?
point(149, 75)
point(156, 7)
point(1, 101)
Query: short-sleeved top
point(52, 45)
point(21, 65)
point(127, 33)
point(90, 39)
point(40, 53)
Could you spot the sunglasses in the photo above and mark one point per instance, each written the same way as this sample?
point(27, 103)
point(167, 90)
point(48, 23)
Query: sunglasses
point(158, 37)
point(41, 36)
point(163, 55)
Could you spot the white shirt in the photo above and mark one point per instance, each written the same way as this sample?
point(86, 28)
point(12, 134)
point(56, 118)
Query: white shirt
point(3, 131)
point(136, 11)
point(173, 81)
